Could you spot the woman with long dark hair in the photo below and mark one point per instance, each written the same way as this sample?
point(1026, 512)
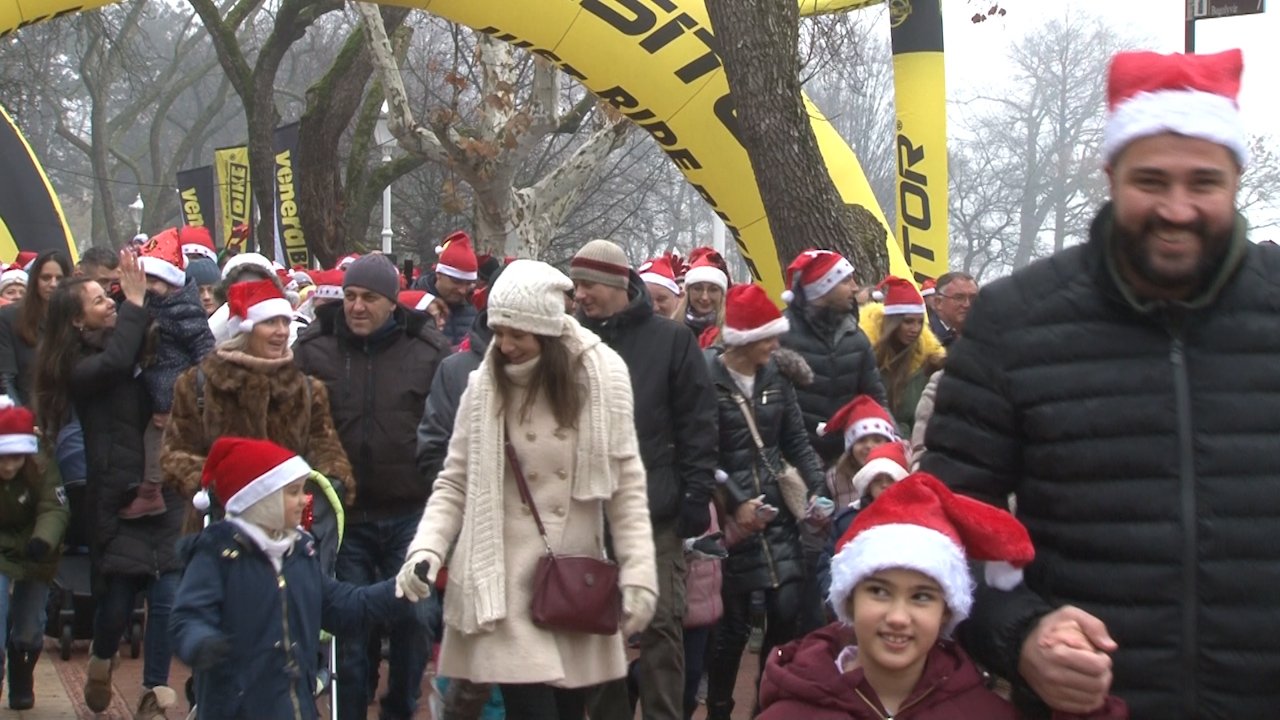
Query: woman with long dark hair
point(22, 324)
point(562, 400)
point(906, 350)
point(87, 363)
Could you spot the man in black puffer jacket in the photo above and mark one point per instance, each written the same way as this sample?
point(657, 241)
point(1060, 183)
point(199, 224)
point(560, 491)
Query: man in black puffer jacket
point(676, 426)
point(1125, 392)
point(824, 331)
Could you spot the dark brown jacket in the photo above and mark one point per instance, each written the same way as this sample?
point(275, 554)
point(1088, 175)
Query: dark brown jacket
point(378, 388)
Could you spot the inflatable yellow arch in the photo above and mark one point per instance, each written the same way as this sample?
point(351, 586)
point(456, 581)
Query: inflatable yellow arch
point(656, 62)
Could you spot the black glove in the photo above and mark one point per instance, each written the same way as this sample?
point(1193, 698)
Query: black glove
point(695, 518)
point(211, 652)
point(37, 549)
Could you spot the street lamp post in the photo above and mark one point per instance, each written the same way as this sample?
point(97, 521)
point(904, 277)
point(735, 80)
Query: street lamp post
point(382, 135)
point(135, 211)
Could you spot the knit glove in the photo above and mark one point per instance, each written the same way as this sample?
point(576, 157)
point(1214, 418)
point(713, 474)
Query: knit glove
point(638, 606)
point(211, 652)
point(408, 584)
point(695, 518)
point(37, 549)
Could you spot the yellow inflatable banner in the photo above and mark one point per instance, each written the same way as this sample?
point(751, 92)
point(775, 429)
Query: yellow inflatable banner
point(655, 61)
point(30, 216)
point(920, 97)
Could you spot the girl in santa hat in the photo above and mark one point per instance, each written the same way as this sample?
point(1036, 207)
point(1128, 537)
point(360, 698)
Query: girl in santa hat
point(253, 598)
point(865, 425)
point(906, 351)
point(761, 429)
point(13, 284)
point(705, 284)
point(33, 519)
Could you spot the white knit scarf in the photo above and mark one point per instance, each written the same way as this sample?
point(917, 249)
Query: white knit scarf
point(600, 436)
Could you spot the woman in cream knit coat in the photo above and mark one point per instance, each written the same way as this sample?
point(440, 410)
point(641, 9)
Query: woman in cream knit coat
point(566, 398)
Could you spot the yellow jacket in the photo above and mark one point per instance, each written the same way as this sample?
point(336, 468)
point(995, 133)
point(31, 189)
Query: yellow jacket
point(926, 348)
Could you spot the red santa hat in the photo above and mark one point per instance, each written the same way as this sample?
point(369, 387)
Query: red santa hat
point(25, 258)
point(928, 287)
point(817, 272)
point(456, 259)
point(918, 524)
point(749, 315)
point(253, 302)
point(197, 240)
point(161, 257)
point(243, 471)
point(860, 417)
point(707, 266)
point(328, 284)
point(887, 459)
point(418, 300)
point(1193, 95)
point(17, 429)
point(346, 260)
point(658, 271)
point(901, 297)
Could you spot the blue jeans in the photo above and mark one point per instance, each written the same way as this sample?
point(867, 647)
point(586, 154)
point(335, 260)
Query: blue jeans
point(23, 615)
point(115, 610)
point(372, 551)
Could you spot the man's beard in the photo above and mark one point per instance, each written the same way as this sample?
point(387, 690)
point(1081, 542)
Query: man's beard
point(1134, 248)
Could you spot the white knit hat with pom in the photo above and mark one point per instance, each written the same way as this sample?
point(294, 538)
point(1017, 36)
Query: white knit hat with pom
point(529, 296)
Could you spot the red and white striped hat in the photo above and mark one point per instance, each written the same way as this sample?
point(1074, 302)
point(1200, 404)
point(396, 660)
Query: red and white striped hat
point(749, 315)
point(817, 272)
point(243, 471)
point(253, 302)
point(418, 300)
point(197, 240)
point(858, 418)
point(328, 284)
point(901, 297)
point(456, 259)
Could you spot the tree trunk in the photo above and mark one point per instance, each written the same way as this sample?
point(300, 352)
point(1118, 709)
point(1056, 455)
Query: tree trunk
point(758, 43)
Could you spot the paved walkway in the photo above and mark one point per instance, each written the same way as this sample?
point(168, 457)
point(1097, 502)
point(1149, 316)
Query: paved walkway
point(59, 689)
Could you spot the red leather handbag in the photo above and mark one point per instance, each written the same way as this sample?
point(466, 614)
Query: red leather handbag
point(574, 593)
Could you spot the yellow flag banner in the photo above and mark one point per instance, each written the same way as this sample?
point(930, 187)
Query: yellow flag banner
point(656, 62)
point(231, 167)
point(30, 215)
point(920, 96)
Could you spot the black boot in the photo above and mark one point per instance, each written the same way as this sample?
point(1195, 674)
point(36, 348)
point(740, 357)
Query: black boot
point(719, 710)
point(22, 665)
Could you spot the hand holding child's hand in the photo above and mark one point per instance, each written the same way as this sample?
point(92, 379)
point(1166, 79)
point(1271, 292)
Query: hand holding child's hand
point(408, 583)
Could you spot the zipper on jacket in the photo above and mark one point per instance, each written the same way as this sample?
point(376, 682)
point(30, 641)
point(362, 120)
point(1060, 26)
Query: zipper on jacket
point(1187, 494)
point(764, 541)
point(905, 706)
point(288, 646)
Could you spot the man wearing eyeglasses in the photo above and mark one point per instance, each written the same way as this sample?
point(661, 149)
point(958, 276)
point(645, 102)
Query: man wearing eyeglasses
point(955, 295)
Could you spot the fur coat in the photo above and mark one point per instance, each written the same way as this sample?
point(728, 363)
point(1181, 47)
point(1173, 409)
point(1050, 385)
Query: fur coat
point(249, 397)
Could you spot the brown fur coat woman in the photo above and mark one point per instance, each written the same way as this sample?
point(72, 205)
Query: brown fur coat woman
point(250, 397)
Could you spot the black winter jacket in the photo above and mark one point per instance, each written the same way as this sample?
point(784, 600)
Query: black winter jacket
point(1141, 442)
point(377, 390)
point(844, 367)
point(181, 338)
point(114, 411)
point(675, 404)
point(773, 557)
point(17, 358)
point(461, 316)
point(442, 403)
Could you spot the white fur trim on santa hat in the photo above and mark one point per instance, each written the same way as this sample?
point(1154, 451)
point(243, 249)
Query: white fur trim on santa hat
point(903, 545)
point(272, 480)
point(455, 273)
point(773, 328)
point(869, 426)
point(904, 309)
point(18, 444)
point(425, 302)
point(163, 269)
point(928, 291)
point(1194, 113)
point(662, 280)
point(197, 249)
point(255, 259)
point(13, 275)
point(1001, 575)
point(706, 274)
point(265, 310)
point(877, 466)
point(328, 292)
point(833, 277)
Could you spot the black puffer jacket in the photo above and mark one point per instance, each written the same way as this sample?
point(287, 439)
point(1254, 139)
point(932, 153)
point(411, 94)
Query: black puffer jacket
point(436, 427)
point(675, 405)
point(773, 557)
point(1141, 443)
point(377, 391)
point(112, 404)
point(843, 365)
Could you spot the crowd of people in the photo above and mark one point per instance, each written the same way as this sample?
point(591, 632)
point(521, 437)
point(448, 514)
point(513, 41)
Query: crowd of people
point(456, 463)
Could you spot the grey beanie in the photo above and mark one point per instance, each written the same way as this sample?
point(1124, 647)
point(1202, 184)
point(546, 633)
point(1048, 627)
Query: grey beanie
point(204, 271)
point(374, 272)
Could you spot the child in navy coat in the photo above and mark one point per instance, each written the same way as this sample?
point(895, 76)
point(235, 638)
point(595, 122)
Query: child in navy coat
point(253, 598)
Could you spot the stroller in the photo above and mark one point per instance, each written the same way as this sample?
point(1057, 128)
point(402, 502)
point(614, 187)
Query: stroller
point(326, 521)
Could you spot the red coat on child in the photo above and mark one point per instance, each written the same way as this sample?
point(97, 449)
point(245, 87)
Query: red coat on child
point(801, 681)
